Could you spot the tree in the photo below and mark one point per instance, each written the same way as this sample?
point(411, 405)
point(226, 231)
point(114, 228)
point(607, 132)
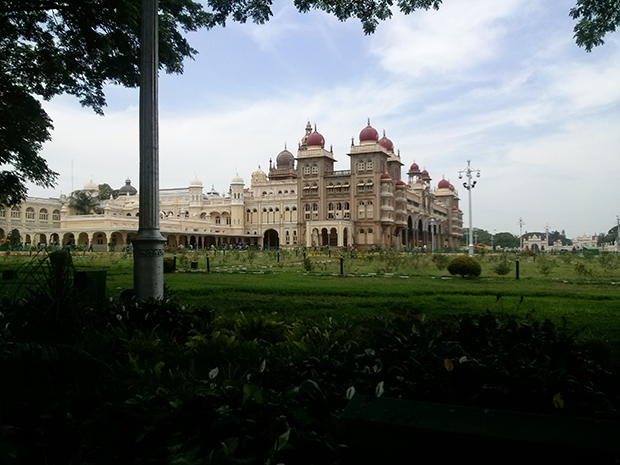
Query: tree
point(105, 191)
point(83, 203)
point(596, 19)
point(52, 47)
point(14, 237)
point(506, 240)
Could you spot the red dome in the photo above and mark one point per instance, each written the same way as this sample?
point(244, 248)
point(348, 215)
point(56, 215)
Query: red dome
point(369, 134)
point(386, 143)
point(414, 167)
point(386, 176)
point(424, 173)
point(451, 187)
point(401, 183)
point(443, 184)
point(315, 139)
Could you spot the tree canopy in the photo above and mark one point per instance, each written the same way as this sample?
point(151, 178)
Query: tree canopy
point(83, 203)
point(596, 18)
point(76, 47)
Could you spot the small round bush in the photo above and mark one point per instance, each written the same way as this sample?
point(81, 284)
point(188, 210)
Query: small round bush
point(465, 266)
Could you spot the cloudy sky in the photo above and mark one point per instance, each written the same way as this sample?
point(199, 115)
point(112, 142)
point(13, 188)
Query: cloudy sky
point(500, 83)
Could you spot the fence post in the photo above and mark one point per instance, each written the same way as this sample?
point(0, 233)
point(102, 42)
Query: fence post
point(517, 266)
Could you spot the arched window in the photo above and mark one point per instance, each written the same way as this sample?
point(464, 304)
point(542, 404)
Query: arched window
point(360, 166)
point(369, 165)
point(16, 212)
point(307, 169)
point(315, 169)
point(218, 220)
point(56, 215)
point(43, 215)
point(30, 213)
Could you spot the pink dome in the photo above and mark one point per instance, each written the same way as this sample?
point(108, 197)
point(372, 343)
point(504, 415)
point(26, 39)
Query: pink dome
point(386, 176)
point(424, 173)
point(315, 139)
point(451, 187)
point(414, 167)
point(443, 184)
point(401, 183)
point(369, 134)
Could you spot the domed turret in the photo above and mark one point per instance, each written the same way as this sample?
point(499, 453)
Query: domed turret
point(414, 167)
point(315, 140)
point(212, 192)
point(237, 180)
point(91, 187)
point(386, 143)
point(369, 134)
point(127, 189)
point(285, 160)
point(195, 183)
point(443, 184)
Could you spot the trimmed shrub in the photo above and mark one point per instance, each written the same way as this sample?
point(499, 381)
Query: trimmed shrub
point(168, 264)
point(465, 266)
point(503, 266)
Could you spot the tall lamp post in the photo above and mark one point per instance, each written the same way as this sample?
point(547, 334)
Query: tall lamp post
point(547, 237)
point(148, 253)
point(520, 223)
point(469, 185)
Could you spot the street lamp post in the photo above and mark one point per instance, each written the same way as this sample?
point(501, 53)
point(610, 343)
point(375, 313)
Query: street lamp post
point(432, 222)
point(520, 223)
point(148, 253)
point(547, 238)
point(469, 185)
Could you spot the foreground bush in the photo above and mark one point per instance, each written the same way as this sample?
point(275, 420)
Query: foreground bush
point(465, 266)
point(156, 383)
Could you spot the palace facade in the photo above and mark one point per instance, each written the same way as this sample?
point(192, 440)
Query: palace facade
point(301, 201)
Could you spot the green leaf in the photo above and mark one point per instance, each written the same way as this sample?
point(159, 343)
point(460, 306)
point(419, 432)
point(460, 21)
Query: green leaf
point(379, 389)
point(213, 373)
point(282, 440)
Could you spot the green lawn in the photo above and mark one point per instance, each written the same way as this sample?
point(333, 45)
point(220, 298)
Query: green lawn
point(374, 285)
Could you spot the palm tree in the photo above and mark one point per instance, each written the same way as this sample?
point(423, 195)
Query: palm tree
point(83, 203)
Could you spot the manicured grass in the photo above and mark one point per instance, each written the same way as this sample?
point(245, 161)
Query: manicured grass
point(377, 286)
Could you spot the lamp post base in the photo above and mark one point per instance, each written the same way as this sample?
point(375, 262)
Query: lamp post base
point(148, 265)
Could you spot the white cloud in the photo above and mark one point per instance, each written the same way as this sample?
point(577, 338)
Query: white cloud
point(451, 41)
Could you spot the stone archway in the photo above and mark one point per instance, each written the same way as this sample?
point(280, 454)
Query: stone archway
point(83, 239)
point(116, 239)
point(100, 241)
point(324, 237)
point(68, 239)
point(333, 237)
point(271, 239)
